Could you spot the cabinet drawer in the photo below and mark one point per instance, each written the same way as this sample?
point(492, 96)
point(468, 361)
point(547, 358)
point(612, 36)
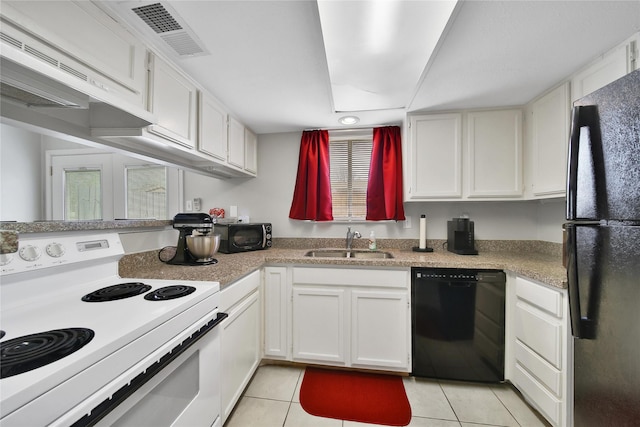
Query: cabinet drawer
point(539, 332)
point(538, 396)
point(351, 277)
point(539, 368)
point(234, 293)
point(540, 296)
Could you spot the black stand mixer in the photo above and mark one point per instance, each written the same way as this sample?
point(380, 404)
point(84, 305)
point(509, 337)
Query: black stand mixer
point(188, 223)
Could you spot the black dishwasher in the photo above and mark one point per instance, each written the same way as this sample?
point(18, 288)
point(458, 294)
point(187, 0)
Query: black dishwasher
point(457, 320)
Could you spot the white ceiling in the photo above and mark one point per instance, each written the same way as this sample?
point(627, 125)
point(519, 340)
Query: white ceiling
point(267, 62)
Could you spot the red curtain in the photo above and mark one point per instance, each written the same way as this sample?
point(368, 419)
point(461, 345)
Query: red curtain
point(384, 191)
point(312, 193)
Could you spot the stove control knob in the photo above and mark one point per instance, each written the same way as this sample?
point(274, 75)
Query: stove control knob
point(5, 259)
point(55, 250)
point(30, 253)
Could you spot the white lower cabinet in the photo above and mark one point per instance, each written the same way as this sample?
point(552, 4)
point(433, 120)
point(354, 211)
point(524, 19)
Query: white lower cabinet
point(378, 329)
point(239, 338)
point(276, 298)
point(319, 327)
point(352, 317)
point(540, 356)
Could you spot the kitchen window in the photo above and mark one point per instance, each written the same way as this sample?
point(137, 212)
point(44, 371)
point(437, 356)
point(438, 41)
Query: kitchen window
point(349, 163)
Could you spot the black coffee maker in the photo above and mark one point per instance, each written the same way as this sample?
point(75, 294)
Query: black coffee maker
point(187, 223)
point(460, 238)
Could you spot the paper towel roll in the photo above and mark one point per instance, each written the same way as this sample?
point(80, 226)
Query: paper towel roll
point(423, 231)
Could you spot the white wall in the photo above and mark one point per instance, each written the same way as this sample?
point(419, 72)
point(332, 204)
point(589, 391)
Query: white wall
point(267, 198)
point(21, 186)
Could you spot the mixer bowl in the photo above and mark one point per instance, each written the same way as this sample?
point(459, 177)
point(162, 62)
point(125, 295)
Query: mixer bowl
point(203, 247)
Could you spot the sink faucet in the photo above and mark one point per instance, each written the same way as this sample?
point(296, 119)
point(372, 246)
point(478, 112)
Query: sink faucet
point(350, 237)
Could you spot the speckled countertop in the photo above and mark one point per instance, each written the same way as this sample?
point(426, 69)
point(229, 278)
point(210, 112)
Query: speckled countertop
point(56, 226)
point(522, 258)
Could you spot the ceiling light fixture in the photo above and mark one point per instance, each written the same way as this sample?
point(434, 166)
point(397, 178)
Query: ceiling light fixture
point(349, 120)
point(377, 50)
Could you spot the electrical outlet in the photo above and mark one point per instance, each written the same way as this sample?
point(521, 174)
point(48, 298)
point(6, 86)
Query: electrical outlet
point(407, 222)
point(188, 205)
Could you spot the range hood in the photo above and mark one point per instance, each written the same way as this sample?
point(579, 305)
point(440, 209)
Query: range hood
point(27, 88)
point(37, 76)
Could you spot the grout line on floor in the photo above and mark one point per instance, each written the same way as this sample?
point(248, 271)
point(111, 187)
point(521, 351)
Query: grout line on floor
point(449, 402)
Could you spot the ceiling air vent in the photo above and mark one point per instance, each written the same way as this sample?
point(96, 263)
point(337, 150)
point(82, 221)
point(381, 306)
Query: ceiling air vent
point(169, 28)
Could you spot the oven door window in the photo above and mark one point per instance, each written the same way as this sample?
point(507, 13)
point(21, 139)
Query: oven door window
point(249, 237)
point(168, 399)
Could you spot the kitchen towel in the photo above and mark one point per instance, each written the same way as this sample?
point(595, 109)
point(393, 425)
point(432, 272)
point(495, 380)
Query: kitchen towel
point(355, 396)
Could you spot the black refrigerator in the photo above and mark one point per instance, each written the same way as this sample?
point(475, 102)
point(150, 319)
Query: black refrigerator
point(603, 254)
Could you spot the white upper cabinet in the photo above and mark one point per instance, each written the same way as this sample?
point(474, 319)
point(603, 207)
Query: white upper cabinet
point(611, 66)
point(103, 54)
point(236, 143)
point(549, 137)
point(435, 157)
point(494, 154)
point(250, 152)
point(488, 165)
point(212, 127)
point(173, 99)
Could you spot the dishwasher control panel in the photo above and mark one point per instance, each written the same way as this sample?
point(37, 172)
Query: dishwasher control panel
point(459, 274)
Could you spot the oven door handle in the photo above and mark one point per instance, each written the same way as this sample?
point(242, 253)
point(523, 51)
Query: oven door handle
point(219, 318)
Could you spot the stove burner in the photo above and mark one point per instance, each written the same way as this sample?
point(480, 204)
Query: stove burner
point(29, 352)
point(169, 292)
point(115, 292)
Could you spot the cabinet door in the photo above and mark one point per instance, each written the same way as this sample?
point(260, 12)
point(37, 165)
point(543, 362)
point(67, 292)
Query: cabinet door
point(212, 127)
point(250, 151)
point(240, 351)
point(495, 153)
point(380, 329)
point(435, 157)
point(319, 328)
point(173, 100)
point(550, 139)
point(613, 65)
point(236, 143)
point(276, 312)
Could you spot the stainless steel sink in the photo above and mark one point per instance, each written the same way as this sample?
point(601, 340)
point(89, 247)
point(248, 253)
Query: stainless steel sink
point(343, 253)
point(371, 255)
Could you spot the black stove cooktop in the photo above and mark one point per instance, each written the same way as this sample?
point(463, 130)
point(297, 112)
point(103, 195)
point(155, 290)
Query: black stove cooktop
point(116, 292)
point(29, 352)
point(131, 289)
point(169, 292)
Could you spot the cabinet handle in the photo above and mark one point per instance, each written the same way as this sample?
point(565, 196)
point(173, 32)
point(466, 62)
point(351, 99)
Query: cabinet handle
point(582, 327)
point(572, 167)
point(586, 117)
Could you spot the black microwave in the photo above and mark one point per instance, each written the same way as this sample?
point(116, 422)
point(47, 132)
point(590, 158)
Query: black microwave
point(243, 237)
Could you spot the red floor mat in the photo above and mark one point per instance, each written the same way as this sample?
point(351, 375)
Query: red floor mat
point(355, 396)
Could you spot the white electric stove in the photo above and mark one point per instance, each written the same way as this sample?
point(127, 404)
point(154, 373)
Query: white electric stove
point(74, 356)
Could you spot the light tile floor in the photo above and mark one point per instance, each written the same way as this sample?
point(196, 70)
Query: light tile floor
point(272, 399)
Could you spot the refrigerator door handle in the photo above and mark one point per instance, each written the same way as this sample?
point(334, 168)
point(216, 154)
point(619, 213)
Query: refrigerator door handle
point(582, 327)
point(572, 167)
